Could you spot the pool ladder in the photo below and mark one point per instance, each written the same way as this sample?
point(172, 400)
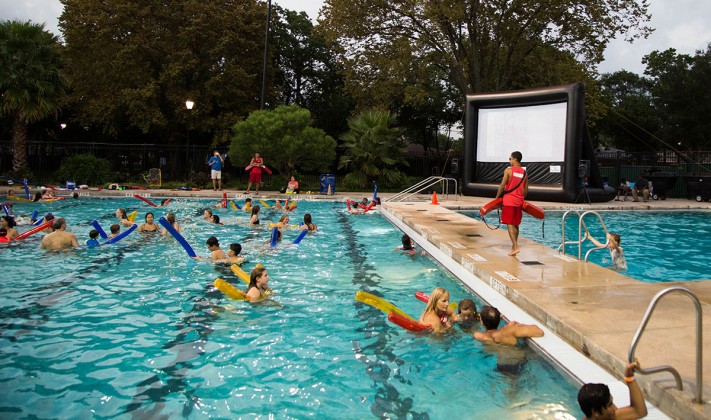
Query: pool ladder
point(699, 341)
point(581, 226)
point(423, 185)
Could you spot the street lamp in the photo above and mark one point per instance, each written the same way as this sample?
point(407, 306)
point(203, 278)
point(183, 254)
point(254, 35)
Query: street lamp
point(266, 55)
point(189, 105)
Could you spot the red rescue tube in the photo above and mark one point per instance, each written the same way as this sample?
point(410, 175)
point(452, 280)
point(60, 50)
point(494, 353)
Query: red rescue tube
point(34, 230)
point(534, 211)
point(422, 296)
point(348, 204)
point(490, 206)
point(267, 170)
point(144, 199)
point(370, 206)
point(406, 323)
point(224, 199)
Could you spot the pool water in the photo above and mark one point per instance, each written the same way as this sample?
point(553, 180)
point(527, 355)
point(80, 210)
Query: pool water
point(137, 330)
point(660, 246)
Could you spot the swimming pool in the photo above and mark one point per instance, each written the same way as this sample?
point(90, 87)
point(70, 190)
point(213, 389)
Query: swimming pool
point(137, 329)
point(660, 246)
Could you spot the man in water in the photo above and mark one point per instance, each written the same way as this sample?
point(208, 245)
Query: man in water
point(596, 401)
point(59, 239)
point(513, 188)
point(490, 319)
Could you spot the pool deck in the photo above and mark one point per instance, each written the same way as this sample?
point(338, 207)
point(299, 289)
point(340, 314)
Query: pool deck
point(595, 310)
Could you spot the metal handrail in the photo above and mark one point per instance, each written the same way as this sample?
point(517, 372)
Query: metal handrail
point(581, 225)
point(423, 185)
point(699, 341)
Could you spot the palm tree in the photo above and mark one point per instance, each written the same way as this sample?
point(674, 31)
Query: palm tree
point(374, 149)
point(31, 83)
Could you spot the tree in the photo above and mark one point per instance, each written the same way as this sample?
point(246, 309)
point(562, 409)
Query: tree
point(286, 139)
point(307, 71)
point(478, 45)
point(678, 86)
point(134, 64)
point(31, 82)
point(631, 120)
point(374, 149)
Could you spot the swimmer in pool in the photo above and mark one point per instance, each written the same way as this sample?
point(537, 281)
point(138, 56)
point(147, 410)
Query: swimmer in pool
point(170, 217)
point(438, 315)
point(491, 318)
point(207, 215)
point(254, 219)
point(123, 217)
point(258, 284)
point(617, 254)
point(149, 226)
point(596, 401)
point(115, 229)
point(59, 239)
point(93, 240)
point(8, 223)
point(283, 222)
point(216, 220)
point(216, 253)
point(233, 256)
point(467, 314)
point(308, 224)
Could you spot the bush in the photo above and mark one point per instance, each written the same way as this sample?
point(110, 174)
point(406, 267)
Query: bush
point(85, 169)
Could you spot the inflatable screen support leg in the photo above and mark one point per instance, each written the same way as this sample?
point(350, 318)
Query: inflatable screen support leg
point(121, 235)
point(300, 237)
point(275, 236)
point(178, 237)
point(98, 227)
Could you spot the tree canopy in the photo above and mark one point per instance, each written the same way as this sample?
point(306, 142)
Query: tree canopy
point(134, 64)
point(285, 138)
point(31, 83)
point(480, 46)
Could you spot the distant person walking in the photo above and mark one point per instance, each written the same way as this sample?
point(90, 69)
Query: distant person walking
point(513, 188)
point(215, 163)
point(255, 174)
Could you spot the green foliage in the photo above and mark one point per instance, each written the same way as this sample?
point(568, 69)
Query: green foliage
point(30, 80)
point(285, 139)
point(134, 64)
point(480, 46)
point(374, 150)
point(85, 169)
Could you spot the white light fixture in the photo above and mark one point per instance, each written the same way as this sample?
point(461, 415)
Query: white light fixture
point(189, 104)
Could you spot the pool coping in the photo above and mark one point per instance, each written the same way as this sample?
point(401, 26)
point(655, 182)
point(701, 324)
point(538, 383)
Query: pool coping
point(486, 279)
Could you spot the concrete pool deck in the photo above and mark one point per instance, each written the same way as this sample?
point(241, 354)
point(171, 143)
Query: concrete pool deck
point(595, 310)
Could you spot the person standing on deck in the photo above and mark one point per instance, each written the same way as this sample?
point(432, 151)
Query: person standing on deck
point(513, 188)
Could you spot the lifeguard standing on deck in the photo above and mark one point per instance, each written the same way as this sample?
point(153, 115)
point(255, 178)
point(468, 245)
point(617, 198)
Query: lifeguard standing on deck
point(513, 188)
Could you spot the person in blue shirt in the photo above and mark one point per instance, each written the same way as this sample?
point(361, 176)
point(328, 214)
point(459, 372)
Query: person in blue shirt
point(93, 239)
point(215, 164)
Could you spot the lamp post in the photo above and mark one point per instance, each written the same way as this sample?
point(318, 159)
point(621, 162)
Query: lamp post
point(189, 105)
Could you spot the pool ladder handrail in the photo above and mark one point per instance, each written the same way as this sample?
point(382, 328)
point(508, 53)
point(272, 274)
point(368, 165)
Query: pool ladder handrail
point(581, 225)
point(423, 185)
point(699, 341)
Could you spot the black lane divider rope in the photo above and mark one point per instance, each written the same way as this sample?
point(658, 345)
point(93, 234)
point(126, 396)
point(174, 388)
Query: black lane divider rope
point(388, 402)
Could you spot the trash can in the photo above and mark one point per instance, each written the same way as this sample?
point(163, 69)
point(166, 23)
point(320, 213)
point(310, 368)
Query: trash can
point(699, 186)
point(327, 184)
point(662, 183)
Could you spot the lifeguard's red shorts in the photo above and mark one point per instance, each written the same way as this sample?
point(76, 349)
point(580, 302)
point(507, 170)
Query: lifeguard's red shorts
point(511, 215)
point(255, 176)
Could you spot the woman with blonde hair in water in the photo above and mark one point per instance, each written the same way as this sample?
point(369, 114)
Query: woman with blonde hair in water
point(438, 315)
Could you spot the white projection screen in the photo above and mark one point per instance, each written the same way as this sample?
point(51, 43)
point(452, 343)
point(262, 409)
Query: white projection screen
point(538, 132)
point(547, 125)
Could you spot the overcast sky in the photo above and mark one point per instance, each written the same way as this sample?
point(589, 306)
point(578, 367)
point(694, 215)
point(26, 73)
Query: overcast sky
point(681, 24)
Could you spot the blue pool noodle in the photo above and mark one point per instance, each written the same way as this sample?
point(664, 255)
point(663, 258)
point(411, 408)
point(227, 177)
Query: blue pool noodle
point(121, 235)
point(5, 209)
point(98, 227)
point(178, 237)
point(40, 221)
point(27, 189)
point(301, 236)
point(275, 235)
point(34, 215)
point(375, 191)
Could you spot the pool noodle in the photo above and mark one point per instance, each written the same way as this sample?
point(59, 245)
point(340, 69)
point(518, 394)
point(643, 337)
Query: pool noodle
point(375, 191)
point(121, 235)
point(132, 216)
point(98, 227)
point(178, 237)
point(275, 236)
point(235, 206)
point(265, 204)
point(5, 209)
point(40, 221)
point(144, 199)
point(27, 189)
point(34, 215)
point(229, 290)
point(224, 199)
point(301, 236)
point(34, 230)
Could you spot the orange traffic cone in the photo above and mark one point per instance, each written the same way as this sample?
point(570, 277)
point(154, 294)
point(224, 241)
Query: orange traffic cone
point(434, 198)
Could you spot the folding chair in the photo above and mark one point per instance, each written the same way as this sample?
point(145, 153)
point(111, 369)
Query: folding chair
point(153, 179)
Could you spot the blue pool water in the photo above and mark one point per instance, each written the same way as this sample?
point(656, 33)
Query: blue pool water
point(137, 330)
point(660, 246)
